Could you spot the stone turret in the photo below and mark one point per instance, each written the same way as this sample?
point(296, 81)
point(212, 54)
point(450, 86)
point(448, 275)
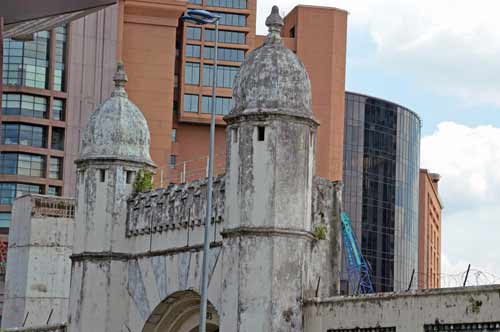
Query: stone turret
point(271, 137)
point(115, 148)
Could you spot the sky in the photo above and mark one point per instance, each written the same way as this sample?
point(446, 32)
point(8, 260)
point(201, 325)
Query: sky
point(441, 59)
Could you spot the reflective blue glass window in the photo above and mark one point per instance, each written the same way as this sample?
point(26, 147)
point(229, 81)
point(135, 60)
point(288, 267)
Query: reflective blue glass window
point(225, 75)
point(223, 105)
point(193, 33)
point(54, 191)
point(60, 57)
point(193, 51)
point(15, 133)
point(22, 164)
point(224, 54)
point(227, 37)
point(192, 73)
point(5, 219)
point(9, 191)
point(56, 166)
point(26, 63)
point(24, 105)
point(190, 103)
point(237, 20)
point(58, 110)
point(57, 142)
point(238, 4)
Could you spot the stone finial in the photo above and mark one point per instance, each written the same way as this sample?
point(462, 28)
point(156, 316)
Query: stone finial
point(120, 79)
point(275, 23)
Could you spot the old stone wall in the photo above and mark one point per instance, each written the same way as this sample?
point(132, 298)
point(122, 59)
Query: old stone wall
point(38, 264)
point(446, 309)
point(164, 231)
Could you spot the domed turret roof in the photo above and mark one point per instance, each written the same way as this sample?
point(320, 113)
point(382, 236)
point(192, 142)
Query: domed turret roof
point(272, 79)
point(117, 129)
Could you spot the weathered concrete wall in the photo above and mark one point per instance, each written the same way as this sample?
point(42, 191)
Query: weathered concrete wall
point(38, 266)
point(407, 312)
point(99, 260)
point(269, 182)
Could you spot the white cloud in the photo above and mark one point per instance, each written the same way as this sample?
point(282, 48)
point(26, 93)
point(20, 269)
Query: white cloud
point(468, 160)
point(450, 46)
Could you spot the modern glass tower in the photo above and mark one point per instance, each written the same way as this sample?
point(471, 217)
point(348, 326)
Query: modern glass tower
point(381, 172)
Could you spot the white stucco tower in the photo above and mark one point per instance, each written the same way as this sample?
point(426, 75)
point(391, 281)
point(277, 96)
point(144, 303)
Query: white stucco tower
point(271, 138)
point(115, 147)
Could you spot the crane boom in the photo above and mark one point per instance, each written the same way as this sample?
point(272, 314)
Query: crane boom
point(357, 267)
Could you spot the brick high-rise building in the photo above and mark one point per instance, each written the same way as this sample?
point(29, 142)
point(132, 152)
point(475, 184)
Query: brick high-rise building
point(316, 34)
point(429, 220)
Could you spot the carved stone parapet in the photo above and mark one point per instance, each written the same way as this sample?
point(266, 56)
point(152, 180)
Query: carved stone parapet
point(177, 206)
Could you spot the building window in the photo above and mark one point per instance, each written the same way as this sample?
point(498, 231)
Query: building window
point(55, 171)
point(31, 165)
point(26, 63)
point(193, 33)
point(60, 57)
point(54, 191)
point(238, 4)
point(224, 54)
point(227, 37)
point(174, 135)
point(190, 103)
point(236, 20)
point(8, 163)
point(5, 219)
point(173, 160)
point(57, 139)
point(192, 73)
point(225, 75)
point(58, 110)
point(223, 105)
point(195, 2)
point(24, 105)
point(193, 51)
point(261, 133)
point(9, 191)
point(15, 133)
point(292, 32)
point(22, 164)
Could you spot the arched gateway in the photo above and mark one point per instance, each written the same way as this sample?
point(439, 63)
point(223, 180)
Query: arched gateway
point(180, 313)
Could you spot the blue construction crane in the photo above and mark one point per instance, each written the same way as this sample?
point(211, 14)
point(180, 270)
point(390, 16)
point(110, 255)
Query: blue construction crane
point(357, 267)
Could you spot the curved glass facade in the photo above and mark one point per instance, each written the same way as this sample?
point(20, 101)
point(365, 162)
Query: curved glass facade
point(381, 165)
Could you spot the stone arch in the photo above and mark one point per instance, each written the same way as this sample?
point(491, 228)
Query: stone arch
point(179, 312)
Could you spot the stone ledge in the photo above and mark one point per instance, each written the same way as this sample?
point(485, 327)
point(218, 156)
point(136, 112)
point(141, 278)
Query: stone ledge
point(415, 293)
point(47, 328)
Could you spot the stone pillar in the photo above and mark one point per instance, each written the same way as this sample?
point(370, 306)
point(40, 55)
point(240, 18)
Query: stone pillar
point(267, 234)
point(115, 148)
